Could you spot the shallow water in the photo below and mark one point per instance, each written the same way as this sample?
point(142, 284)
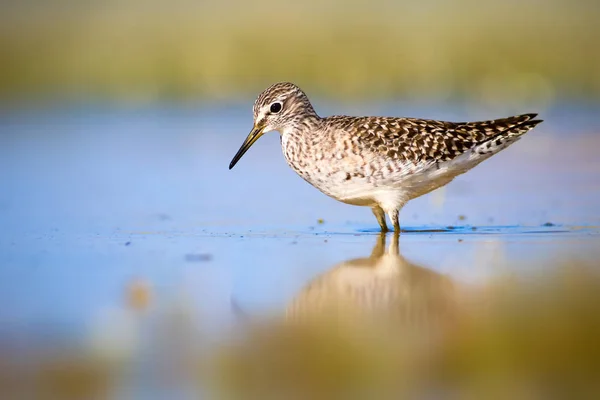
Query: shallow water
point(108, 209)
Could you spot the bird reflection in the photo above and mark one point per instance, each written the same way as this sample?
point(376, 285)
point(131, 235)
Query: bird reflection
point(384, 287)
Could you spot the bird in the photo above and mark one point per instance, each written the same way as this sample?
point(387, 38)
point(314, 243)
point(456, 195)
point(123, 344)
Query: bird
point(377, 162)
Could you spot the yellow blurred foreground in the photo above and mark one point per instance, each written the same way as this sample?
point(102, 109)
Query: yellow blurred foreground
point(373, 328)
point(383, 328)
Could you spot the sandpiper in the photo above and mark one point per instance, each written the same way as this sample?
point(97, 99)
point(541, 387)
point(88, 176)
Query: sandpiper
point(379, 162)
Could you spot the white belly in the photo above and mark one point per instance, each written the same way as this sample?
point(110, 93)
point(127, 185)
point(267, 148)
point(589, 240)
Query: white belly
point(379, 181)
point(364, 191)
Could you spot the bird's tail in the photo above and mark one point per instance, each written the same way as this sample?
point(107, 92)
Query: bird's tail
point(510, 125)
point(502, 132)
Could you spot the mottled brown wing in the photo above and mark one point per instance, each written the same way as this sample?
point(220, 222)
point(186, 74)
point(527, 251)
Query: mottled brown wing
point(415, 141)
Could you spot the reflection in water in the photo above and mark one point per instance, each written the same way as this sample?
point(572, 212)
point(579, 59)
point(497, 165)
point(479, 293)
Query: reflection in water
point(381, 327)
point(368, 325)
point(384, 287)
point(378, 327)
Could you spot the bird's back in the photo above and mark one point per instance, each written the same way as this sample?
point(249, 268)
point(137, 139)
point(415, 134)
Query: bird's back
point(414, 141)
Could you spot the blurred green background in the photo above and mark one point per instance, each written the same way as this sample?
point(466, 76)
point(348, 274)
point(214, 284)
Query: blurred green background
point(523, 52)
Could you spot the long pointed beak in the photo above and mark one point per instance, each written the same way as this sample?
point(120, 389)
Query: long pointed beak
point(252, 137)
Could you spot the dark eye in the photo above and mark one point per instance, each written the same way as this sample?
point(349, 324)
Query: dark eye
point(275, 107)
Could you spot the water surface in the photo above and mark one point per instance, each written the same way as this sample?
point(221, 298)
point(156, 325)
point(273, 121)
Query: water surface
point(106, 210)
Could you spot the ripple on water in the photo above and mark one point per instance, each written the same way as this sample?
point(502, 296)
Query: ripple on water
point(547, 228)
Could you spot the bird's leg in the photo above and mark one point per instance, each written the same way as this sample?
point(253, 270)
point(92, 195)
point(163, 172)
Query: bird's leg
point(380, 215)
point(394, 214)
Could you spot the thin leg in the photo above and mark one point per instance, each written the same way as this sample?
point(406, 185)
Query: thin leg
point(394, 217)
point(380, 215)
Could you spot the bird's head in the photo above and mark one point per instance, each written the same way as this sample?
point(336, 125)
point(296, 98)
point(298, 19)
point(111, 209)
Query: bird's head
point(278, 108)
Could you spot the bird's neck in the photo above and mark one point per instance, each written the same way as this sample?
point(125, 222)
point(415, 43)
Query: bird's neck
point(304, 124)
point(298, 139)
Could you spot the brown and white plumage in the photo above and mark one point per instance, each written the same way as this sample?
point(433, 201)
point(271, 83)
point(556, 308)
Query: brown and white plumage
point(380, 162)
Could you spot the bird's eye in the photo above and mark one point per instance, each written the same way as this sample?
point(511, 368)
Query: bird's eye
point(275, 107)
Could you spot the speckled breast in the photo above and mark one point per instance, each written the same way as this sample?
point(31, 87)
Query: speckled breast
point(330, 168)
